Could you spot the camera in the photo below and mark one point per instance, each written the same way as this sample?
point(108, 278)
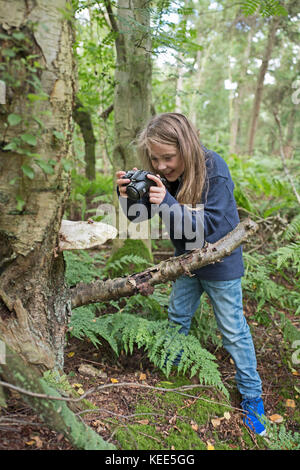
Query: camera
point(139, 183)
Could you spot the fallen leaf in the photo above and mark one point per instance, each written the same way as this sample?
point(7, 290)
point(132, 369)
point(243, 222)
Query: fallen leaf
point(227, 415)
point(80, 391)
point(143, 421)
point(290, 403)
point(30, 443)
point(216, 422)
point(114, 381)
point(209, 446)
point(194, 426)
point(77, 385)
point(276, 418)
point(173, 419)
point(295, 372)
point(143, 376)
point(38, 442)
point(71, 354)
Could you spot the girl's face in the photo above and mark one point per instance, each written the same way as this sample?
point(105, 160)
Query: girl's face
point(166, 160)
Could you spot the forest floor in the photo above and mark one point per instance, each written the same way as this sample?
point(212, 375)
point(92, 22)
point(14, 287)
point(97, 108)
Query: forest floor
point(145, 417)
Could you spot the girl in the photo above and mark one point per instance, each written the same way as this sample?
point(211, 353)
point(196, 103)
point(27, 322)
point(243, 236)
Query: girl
point(169, 147)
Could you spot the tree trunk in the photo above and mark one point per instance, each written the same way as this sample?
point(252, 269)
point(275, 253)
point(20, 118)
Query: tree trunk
point(84, 121)
point(132, 101)
point(260, 81)
point(35, 129)
point(240, 92)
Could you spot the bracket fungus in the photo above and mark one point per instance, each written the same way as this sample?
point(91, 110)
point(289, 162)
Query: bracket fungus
point(81, 235)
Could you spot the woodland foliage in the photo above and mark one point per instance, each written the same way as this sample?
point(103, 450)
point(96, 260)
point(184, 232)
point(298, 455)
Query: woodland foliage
point(207, 61)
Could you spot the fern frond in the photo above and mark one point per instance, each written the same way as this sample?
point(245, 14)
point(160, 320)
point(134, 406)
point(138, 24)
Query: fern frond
point(293, 229)
point(123, 264)
point(289, 254)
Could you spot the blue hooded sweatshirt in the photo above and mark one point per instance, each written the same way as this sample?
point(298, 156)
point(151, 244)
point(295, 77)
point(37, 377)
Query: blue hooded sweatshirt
point(219, 217)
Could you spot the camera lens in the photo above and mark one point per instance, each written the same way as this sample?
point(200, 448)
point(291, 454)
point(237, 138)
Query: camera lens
point(137, 189)
point(132, 193)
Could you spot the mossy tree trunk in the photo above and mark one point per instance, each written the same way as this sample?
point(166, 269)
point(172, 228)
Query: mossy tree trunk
point(35, 129)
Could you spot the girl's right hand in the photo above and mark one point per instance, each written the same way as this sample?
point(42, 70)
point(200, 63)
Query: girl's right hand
point(122, 183)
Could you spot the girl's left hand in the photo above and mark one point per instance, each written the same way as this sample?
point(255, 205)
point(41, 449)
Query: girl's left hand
point(156, 193)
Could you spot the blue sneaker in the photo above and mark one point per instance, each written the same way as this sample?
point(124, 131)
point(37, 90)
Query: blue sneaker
point(255, 415)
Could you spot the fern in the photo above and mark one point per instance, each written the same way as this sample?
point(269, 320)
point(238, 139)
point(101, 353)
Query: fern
point(289, 255)
point(81, 267)
point(125, 264)
point(267, 8)
point(161, 341)
point(84, 324)
point(293, 229)
point(259, 285)
point(281, 439)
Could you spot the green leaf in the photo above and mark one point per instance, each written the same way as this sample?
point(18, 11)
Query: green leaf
point(20, 203)
point(33, 97)
point(59, 135)
point(45, 166)
point(10, 146)
point(28, 171)
point(19, 36)
point(14, 119)
point(29, 139)
point(66, 164)
point(8, 52)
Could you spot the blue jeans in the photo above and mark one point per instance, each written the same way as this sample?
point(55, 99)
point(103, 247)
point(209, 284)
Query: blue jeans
point(227, 302)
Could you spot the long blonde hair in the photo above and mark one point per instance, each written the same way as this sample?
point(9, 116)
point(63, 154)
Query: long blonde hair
point(175, 129)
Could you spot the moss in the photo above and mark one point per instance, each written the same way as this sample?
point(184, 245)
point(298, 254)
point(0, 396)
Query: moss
point(167, 420)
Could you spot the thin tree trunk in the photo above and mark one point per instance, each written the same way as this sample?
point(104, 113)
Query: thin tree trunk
point(132, 101)
point(260, 81)
point(240, 92)
point(83, 119)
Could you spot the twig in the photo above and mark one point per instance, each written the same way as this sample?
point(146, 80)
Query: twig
point(121, 384)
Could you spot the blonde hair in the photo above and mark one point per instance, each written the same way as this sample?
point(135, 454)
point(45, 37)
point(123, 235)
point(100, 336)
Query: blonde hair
point(175, 129)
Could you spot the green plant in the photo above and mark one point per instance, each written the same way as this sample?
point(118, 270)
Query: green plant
point(125, 260)
point(161, 341)
point(281, 439)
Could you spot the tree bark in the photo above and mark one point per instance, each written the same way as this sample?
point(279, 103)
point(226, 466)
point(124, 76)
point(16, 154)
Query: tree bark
point(34, 183)
point(101, 291)
point(260, 81)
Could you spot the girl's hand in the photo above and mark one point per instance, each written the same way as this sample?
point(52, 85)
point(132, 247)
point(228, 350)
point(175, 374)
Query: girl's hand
point(122, 183)
point(156, 193)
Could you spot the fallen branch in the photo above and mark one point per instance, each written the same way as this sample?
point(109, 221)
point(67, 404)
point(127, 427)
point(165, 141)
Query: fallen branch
point(170, 269)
